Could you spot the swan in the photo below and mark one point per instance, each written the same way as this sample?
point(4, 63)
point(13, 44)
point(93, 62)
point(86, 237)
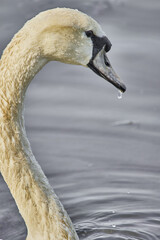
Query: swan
point(60, 34)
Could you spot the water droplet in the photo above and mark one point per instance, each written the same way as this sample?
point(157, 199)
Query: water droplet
point(119, 94)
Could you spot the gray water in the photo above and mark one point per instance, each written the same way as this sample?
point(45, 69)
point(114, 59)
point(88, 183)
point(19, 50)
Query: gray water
point(100, 154)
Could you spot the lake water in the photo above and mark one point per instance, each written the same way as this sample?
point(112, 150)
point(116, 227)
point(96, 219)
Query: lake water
point(100, 154)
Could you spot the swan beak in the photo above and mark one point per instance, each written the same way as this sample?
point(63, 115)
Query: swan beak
point(100, 64)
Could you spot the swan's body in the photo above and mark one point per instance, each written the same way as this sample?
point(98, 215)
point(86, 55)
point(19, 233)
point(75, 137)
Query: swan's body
point(57, 34)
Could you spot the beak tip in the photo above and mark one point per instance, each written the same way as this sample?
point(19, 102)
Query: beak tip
point(122, 88)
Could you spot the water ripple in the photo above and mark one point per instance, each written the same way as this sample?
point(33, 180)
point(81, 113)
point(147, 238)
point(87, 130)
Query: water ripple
point(114, 211)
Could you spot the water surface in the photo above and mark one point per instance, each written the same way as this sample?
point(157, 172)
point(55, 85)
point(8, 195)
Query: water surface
point(100, 154)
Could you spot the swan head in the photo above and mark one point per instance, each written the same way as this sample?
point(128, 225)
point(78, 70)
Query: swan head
point(70, 36)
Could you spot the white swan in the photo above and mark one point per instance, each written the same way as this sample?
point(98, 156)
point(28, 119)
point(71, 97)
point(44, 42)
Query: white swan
point(60, 34)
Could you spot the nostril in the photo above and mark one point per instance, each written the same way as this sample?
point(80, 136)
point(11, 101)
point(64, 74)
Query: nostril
point(106, 62)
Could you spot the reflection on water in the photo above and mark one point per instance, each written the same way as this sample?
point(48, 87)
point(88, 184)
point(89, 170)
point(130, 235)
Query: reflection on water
point(101, 155)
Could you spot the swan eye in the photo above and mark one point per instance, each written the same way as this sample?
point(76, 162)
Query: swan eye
point(89, 33)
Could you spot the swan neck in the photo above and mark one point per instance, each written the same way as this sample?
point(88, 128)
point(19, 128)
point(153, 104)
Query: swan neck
point(40, 208)
point(20, 62)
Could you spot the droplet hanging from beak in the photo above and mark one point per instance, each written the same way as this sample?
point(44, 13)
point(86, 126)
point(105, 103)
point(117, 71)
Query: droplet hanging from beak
point(119, 94)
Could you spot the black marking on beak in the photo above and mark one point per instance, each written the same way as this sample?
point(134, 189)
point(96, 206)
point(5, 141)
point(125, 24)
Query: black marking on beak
point(98, 43)
point(100, 63)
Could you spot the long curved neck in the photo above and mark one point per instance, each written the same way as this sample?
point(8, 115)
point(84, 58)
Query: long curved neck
point(43, 214)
